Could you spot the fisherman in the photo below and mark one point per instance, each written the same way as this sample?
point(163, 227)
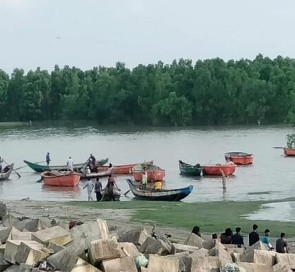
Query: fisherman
point(90, 187)
point(70, 164)
point(92, 161)
point(144, 179)
point(47, 158)
point(97, 188)
point(111, 185)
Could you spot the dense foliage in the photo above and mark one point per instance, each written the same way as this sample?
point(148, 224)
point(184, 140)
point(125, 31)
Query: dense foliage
point(182, 93)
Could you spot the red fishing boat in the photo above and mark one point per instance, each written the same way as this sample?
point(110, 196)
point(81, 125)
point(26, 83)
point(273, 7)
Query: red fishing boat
point(214, 169)
point(123, 169)
point(289, 151)
point(154, 172)
point(239, 157)
point(60, 178)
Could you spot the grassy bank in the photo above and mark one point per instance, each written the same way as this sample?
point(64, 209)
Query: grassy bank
point(211, 216)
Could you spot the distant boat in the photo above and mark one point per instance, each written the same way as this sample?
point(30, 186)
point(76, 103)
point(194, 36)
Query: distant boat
point(60, 178)
point(41, 168)
point(6, 171)
point(190, 170)
point(154, 172)
point(161, 195)
point(289, 151)
point(214, 169)
point(239, 157)
point(123, 169)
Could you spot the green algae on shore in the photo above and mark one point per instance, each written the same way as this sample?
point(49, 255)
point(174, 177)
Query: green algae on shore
point(210, 216)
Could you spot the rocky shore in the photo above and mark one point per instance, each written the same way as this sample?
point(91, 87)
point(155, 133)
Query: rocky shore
point(37, 236)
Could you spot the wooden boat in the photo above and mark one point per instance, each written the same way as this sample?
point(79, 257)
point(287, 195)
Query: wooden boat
point(93, 175)
point(41, 168)
point(60, 178)
point(190, 170)
point(124, 169)
point(162, 195)
point(154, 172)
point(214, 169)
point(6, 171)
point(289, 151)
point(107, 197)
point(239, 157)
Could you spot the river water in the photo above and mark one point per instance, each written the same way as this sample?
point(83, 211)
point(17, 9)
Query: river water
point(272, 176)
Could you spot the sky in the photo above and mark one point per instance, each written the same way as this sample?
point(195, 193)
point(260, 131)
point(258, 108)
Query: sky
point(90, 33)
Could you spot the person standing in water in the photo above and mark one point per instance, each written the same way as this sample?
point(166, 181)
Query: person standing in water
point(48, 158)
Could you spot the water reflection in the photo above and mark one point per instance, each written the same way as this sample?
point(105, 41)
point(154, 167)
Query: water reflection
point(74, 189)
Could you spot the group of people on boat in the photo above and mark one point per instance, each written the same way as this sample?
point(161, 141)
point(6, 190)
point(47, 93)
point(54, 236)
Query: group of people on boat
point(227, 237)
point(110, 192)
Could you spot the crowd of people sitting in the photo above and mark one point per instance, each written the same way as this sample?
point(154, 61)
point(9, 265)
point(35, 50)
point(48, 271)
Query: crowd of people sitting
point(227, 237)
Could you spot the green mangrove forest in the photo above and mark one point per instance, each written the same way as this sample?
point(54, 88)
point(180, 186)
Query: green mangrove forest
point(182, 93)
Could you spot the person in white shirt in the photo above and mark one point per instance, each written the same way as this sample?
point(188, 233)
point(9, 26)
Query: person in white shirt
point(70, 164)
point(90, 187)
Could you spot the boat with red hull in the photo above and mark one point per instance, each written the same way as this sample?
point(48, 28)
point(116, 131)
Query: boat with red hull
point(154, 172)
point(239, 157)
point(289, 151)
point(60, 178)
point(214, 169)
point(124, 169)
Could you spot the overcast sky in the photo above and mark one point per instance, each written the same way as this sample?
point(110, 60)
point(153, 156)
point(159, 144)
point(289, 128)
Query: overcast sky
point(88, 33)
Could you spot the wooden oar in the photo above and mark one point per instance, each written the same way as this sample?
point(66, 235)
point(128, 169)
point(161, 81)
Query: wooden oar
point(126, 193)
point(12, 169)
point(279, 147)
point(28, 165)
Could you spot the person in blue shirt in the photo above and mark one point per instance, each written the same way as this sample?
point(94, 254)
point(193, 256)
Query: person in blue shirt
point(265, 239)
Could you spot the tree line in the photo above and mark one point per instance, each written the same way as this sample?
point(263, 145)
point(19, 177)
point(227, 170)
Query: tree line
point(210, 91)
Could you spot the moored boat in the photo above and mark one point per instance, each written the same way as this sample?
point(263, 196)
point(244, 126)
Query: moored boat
point(239, 157)
point(107, 196)
point(160, 195)
point(93, 175)
point(124, 169)
point(6, 171)
point(289, 151)
point(154, 172)
point(60, 178)
point(190, 170)
point(214, 169)
point(41, 168)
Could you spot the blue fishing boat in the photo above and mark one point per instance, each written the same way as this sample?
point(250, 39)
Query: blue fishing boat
point(162, 195)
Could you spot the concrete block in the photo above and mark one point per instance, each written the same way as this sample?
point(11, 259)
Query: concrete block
point(2, 249)
point(259, 256)
point(66, 259)
point(203, 264)
point(202, 252)
point(162, 264)
point(182, 257)
point(288, 259)
point(102, 250)
point(3, 210)
point(220, 252)
point(11, 250)
point(57, 235)
point(177, 248)
point(83, 234)
point(236, 257)
point(53, 248)
point(137, 236)
point(26, 267)
point(30, 252)
point(83, 266)
point(4, 233)
point(124, 264)
point(15, 234)
point(155, 246)
point(194, 240)
point(128, 249)
point(208, 244)
point(13, 268)
point(253, 267)
point(3, 264)
point(280, 267)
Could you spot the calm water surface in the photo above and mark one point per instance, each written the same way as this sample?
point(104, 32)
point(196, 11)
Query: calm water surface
point(272, 176)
